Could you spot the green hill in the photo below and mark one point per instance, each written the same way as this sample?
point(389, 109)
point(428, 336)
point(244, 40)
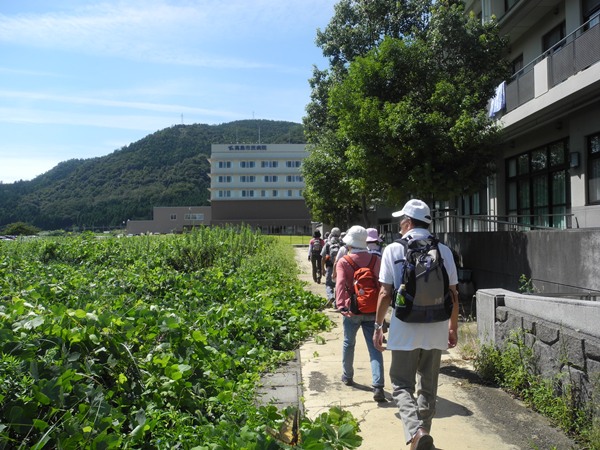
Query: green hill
point(166, 168)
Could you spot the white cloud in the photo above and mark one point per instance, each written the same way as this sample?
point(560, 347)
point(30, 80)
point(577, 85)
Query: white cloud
point(187, 33)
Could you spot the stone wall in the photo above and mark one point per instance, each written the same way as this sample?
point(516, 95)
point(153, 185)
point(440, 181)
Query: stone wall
point(563, 334)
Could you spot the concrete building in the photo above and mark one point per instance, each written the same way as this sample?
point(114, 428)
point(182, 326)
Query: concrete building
point(259, 185)
point(171, 219)
point(548, 172)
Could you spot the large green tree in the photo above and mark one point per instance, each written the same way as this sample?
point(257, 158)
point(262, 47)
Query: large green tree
point(401, 110)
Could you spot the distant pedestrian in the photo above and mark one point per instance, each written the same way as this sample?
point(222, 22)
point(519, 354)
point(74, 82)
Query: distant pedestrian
point(315, 246)
point(356, 241)
point(343, 251)
point(373, 241)
point(416, 348)
point(328, 257)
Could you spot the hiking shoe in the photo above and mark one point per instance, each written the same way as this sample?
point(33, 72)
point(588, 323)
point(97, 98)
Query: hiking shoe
point(347, 381)
point(378, 395)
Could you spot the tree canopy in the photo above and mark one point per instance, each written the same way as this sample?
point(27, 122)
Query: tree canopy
point(401, 110)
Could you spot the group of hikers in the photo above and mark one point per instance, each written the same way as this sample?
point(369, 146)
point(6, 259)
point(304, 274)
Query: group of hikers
point(417, 277)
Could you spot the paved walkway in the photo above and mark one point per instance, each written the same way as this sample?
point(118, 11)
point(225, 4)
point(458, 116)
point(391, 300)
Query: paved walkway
point(469, 415)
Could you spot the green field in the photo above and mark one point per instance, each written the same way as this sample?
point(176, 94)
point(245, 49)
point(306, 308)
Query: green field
point(152, 342)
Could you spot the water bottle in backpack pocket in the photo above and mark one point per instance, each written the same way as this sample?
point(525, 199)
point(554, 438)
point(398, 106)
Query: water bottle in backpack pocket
point(424, 293)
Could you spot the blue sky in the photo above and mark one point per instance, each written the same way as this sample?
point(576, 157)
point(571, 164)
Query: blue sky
point(81, 78)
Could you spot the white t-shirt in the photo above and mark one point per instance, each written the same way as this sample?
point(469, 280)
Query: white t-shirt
point(410, 336)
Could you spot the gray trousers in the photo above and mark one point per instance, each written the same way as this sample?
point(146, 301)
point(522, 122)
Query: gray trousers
point(409, 369)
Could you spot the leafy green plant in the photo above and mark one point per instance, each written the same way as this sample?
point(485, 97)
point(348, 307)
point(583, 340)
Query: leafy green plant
point(512, 367)
point(149, 342)
point(526, 285)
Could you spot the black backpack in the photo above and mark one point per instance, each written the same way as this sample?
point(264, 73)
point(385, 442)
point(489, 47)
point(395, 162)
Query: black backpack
point(424, 293)
point(316, 246)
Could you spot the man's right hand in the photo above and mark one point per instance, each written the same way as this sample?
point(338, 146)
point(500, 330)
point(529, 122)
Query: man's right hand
point(378, 340)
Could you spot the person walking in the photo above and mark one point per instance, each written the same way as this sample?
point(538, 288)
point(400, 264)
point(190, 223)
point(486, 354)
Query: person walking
point(416, 348)
point(358, 255)
point(315, 246)
point(328, 257)
point(373, 241)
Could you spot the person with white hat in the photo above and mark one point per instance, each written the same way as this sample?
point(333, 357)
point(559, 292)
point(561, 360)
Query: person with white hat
point(416, 348)
point(359, 257)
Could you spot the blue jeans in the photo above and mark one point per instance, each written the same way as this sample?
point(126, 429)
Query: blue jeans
point(351, 326)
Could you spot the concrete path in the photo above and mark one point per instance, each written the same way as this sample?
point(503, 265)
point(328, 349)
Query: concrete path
point(469, 415)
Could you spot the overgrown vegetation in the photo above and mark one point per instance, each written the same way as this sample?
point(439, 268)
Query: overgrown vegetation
point(152, 342)
point(512, 368)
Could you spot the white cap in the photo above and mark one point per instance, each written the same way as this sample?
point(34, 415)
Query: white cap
point(415, 209)
point(356, 237)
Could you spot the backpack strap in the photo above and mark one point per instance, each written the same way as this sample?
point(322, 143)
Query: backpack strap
point(355, 266)
point(373, 261)
point(350, 261)
point(404, 243)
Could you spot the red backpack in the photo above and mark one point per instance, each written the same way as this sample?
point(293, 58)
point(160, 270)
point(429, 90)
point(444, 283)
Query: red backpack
point(366, 287)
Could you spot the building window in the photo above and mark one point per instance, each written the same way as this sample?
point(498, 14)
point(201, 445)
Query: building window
point(224, 164)
point(593, 146)
point(265, 164)
point(224, 178)
point(553, 39)
point(195, 216)
point(224, 194)
point(247, 193)
point(517, 64)
point(591, 13)
point(538, 186)
point(247, 179)
point(289, 193)
point(508, 4)
point(275, 193)
point(173, 216)
point(294, 178)
point(247, 164)
point(270, 178)
point(293, 163)
point(263, 193)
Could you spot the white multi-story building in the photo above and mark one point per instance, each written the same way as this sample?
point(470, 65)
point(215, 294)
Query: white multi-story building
point(548, 173)
point(260, 185)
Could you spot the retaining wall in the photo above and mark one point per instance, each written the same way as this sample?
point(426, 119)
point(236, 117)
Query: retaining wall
point(564, 334)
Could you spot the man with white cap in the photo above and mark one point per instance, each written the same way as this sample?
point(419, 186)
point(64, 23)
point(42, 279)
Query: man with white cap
point(416, 348)
point(356, 241)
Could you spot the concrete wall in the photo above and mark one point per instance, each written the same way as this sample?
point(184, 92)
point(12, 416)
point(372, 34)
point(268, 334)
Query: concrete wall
point(561, 261)
point(171, 219)
point(563, 334)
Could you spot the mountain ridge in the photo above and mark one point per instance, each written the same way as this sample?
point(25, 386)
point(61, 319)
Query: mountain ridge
point(166, 168)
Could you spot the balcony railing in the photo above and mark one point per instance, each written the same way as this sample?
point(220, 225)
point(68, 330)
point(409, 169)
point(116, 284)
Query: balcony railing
point(445, 222)
point(574, 53)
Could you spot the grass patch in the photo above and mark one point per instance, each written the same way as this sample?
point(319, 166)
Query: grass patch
point(468, 342)
point(293, 240)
